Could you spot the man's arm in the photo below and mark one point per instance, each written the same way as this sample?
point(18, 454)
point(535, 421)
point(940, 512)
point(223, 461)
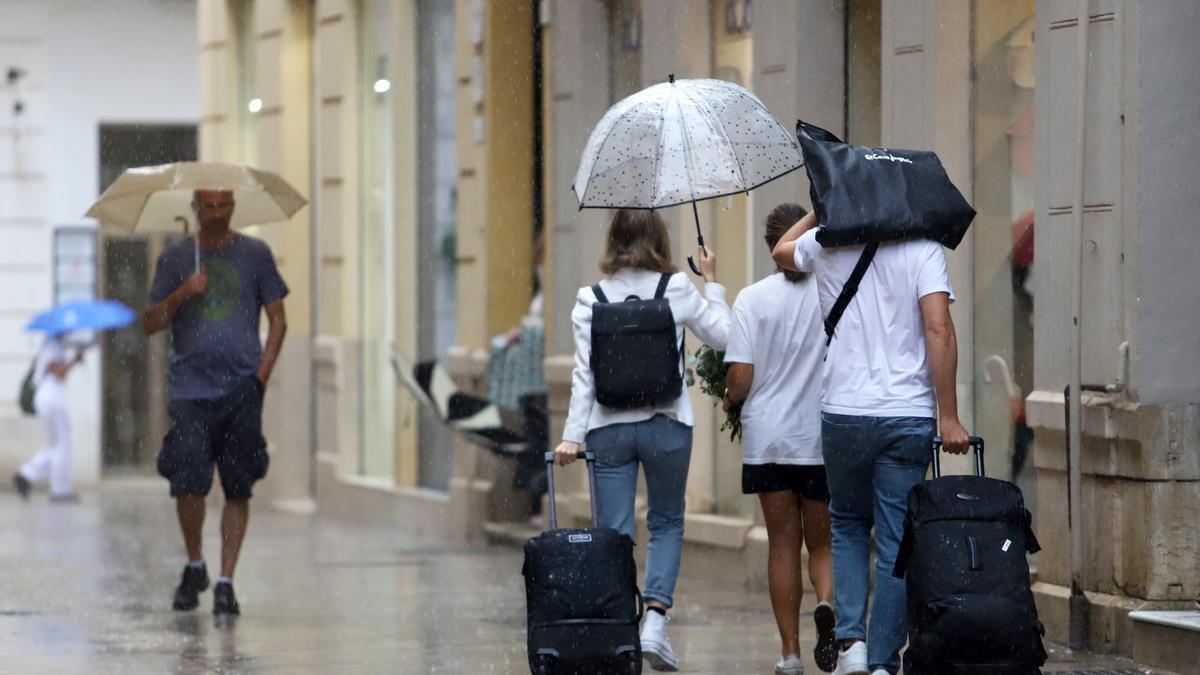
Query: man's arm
point(737, 384)
point(159, 316)
point(784, 252)
point(942, 345)
point(276, 329)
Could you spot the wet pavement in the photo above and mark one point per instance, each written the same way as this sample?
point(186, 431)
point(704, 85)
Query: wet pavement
point(86, 588)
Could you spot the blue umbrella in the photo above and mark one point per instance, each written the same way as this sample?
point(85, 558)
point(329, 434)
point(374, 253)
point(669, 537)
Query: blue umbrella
point(82, 315)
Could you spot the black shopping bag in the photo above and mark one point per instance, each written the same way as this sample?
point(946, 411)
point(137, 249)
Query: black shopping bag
point(863, 195)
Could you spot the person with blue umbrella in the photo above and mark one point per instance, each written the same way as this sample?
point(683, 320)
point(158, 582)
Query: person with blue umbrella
point(49, 381)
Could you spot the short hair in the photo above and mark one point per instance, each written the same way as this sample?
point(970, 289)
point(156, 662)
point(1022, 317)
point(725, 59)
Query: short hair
point(779, 221)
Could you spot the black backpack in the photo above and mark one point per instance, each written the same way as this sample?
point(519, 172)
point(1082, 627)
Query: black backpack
point(970, 606)
point(28, 390)
point(635, 360)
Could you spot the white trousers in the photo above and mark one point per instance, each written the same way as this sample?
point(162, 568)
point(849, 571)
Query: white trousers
point(53, 460)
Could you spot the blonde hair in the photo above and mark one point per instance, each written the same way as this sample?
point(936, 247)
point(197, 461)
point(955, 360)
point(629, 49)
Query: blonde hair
point(637, 239)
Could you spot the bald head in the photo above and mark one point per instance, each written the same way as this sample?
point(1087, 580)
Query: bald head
point(213, 208)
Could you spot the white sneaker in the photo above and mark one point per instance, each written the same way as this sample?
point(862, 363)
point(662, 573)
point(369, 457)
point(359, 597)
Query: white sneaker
point(853, 661)
point(880, 671)
point(792, 665)
point(656, 649)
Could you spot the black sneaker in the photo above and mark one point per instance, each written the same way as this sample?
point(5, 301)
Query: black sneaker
point(224, 601)
point(193, 581)
point(826, 651)
point(22, 485)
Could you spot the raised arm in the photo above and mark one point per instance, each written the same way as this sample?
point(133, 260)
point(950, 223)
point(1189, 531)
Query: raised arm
point(784, 252)
point(159, 316)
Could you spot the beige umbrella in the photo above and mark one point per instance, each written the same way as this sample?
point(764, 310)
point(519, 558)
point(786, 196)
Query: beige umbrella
point(158, 198)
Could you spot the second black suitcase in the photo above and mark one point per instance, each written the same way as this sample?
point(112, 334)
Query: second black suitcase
point(970, 606)
point(581, 595)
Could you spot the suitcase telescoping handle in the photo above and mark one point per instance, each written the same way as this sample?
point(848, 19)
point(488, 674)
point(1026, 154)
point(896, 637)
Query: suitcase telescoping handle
point(975, 442)
point(590, 458)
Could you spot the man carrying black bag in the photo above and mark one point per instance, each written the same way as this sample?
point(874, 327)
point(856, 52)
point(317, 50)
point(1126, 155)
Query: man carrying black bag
point(894, 347)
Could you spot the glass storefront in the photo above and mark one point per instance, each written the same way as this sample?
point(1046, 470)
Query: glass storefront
point(245, 90)
point(437, 206)
point(1003, 123)
point(377, 242)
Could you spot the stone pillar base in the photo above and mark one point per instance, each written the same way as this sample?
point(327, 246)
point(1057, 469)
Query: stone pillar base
point(1110, 629)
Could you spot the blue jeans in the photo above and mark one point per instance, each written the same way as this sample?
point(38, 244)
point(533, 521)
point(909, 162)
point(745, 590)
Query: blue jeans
point(872, 463)
point(664, 449)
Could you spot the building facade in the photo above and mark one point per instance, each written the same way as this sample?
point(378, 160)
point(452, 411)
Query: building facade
point(68, 126)
point(439, 137)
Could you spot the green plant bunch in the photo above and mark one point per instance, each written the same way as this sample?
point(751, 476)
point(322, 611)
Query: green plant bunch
point(709, 365)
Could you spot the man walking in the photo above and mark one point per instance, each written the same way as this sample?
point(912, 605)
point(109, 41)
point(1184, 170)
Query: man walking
point(216, 377)
point(889, 371)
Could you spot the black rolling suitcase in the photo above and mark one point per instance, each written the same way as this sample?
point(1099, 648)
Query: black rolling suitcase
point(970, 606)
point(582, 596)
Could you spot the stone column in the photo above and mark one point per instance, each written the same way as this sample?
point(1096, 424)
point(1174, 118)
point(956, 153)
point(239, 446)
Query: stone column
point(1141, 461)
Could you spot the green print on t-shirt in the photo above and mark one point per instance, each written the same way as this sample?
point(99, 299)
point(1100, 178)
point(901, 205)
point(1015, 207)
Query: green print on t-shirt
point(224, 290)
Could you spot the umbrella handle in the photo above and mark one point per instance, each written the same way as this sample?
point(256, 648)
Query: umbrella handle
point(699, 237)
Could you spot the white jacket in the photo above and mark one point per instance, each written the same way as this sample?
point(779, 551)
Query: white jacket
point(707, 317)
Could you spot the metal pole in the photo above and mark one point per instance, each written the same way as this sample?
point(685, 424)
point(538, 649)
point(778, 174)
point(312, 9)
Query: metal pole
point(1078, 623)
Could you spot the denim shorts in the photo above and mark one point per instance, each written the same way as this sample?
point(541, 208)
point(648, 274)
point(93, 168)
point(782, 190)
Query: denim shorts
point(223, 433)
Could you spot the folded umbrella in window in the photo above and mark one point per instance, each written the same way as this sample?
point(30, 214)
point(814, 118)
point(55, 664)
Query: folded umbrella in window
point(680, 142)
point(481, 420)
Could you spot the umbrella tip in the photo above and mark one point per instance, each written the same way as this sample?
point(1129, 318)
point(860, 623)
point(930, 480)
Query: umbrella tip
point(671, 78)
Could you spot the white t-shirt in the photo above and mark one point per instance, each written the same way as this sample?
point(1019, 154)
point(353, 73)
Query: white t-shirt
point(777, 328)
point(877, 365)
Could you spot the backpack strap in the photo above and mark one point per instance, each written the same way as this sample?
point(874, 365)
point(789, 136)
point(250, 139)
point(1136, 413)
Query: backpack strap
point(848, 291)
point(600, 296)
point(661, 291)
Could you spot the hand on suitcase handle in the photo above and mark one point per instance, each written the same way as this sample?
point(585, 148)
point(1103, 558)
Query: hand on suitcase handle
point(566, 453)
point(975, 442)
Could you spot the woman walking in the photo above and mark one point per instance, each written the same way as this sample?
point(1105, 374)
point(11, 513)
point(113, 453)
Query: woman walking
point(657, 435)
point(774, 358)
point(50, 371)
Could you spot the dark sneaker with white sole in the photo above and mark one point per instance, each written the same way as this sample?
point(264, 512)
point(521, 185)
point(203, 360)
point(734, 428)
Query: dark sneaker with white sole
point(22, 484)
point(224, 601)
point(826, 651)
point(187, 594)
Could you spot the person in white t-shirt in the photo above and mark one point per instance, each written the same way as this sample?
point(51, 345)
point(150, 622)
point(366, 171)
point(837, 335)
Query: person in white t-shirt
point(658, 437)
point(889, 374)
point(774, 356)
point(50, 371)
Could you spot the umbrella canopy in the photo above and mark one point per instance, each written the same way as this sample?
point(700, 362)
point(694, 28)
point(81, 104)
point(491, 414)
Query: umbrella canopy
point(82, 315)
point(155, 197)
point(683, 141)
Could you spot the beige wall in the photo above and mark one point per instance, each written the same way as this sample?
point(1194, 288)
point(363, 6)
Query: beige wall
point(495, 207)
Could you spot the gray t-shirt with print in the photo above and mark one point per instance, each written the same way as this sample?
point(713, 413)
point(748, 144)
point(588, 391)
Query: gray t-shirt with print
point(215, 342)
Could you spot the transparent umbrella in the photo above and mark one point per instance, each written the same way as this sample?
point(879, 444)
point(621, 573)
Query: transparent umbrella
point(680, 142)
